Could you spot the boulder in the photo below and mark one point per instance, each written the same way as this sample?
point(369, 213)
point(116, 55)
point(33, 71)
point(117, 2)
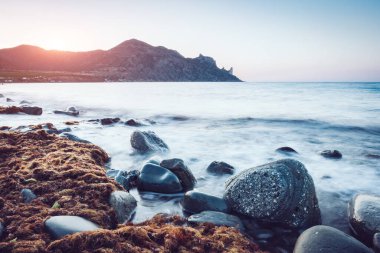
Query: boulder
point(124, 205)
point(31, 110)
point(376, 242)
point(109, 121)
point(145, 142)
point(364, 216)
point(328, 240)
point(154, 178)
point(134, 123)
point(128, 179)
point(73, 138)
point(9, 100)
point(58, 131)
point(27, 195)
point(59, 226)
point(178, 167)
point(332, 154)
point(278, 192)
point(286, 150)
point(71, 111)
point(196, 202)
point(220, 168)
point(217, 218)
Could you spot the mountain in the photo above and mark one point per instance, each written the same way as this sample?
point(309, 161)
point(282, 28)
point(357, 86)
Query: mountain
point(132, 60)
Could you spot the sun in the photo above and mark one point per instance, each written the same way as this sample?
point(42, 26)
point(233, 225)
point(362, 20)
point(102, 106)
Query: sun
point(55, 44)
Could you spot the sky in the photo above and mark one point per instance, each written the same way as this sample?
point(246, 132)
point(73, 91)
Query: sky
point(264, 41)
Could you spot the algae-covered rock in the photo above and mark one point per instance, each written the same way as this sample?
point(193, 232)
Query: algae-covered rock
point(124, 205)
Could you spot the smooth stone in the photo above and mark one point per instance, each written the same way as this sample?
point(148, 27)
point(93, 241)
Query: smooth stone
point(24, 102)
point(32, 110)
point(217, 218)
point(364, 216)
point(59, 226)
point(109, 121)
point(262, 234)
point(128, 179)
point(220, 168)
point(324, 239)
point(376, 242)
point(145, 142)
point(58, 131)
point(73, 138)
point(134, 123)
point(1, 226)
point(333, 154)
point(1, 95)
point(279, 192)
point(196, 202)
point(154, 178)
point(71, 111)
point(124, 205)
point(286, 150)
point(9, 100)
point(178, 167)
point(27, 195)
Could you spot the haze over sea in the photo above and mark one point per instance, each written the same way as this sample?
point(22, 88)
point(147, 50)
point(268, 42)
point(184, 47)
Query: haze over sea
point(239, 123)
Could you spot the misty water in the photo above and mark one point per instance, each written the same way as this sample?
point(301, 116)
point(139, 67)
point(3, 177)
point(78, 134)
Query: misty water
point(239, 123)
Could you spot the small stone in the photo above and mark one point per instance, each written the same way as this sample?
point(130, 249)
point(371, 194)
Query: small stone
point(71, 111)
point(286, 150)
point(376, 242)
point(332, 154)
point(32, 110)
point(128, 179)
point(27, 195)
point(220, 168)
point(262, 234)
point(217, 218)
point(154, 178)
point(1, 226)
point(146, 142)
point(109, 121)
point(124, 205)
point(178, 167)
point(364, 216)
point(134, 123)
point(1, 95)
point(73, 138)
point(24, 102)
point(196, 202)
point(328, 240)
point(59, 226)
point(9, 100)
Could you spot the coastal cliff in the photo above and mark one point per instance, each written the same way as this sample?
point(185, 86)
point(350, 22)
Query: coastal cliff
point(132, 60)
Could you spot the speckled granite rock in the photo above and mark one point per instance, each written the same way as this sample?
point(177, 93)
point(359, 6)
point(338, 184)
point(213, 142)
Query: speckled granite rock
point(278, 192)
point(145, 142)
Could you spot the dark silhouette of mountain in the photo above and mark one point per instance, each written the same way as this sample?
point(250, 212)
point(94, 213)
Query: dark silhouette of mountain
point(132, 60)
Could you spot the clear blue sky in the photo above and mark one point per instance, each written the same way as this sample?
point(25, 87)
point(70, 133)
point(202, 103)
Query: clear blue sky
point(267, 40)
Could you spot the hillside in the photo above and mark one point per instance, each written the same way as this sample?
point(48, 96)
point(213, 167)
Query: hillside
point(132, 60)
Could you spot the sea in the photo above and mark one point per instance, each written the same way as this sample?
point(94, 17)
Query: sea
point(239, 123)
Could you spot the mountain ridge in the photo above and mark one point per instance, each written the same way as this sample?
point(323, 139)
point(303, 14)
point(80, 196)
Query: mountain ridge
point(131, 60)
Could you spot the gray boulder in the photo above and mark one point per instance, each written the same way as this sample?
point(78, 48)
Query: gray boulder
point(32, 110)
point(59, 226)
point(73, 137)
point(196, 202)
point(278, 192)
point(124, 205)
point(220, 168)
point(154, 178)
point(331, 154)
point(286, 150)
point(178, 167)
point(217, 218)
point(109, 121)
point(27, 195)
point(71, 111)
point(145, 142)
point(10, 100)
point(324, 239)
point(364, 216)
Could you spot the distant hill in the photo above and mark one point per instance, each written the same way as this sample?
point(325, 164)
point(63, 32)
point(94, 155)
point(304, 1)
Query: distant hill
point(132, 60)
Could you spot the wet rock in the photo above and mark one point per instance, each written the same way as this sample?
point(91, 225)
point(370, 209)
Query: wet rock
point(376, 242)
point(9, 100)
point(128, 179)
point(71, 123)
point(364, 216)
point(31, 110)
point(373, 156)
point(1, 226)
point(220, 168)
point(262, 234)
point(1, 95)
point(278, 192)
point(2, 128)
point(23, 102)
point(71, 111)
point(332, 154)
point(58, 131)
point(134, 123)
point(196, 202)
point(124, 205)
point(178, 167)
point(59, 226)
point(217, 218)
point(145, 142)
point(154, 178)
point(73, 138)
point(286, 150)
point(109, 121)
point(27, 195)
point(328, 240)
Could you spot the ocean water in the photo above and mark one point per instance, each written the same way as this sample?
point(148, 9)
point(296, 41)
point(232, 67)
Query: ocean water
point(239, 123)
